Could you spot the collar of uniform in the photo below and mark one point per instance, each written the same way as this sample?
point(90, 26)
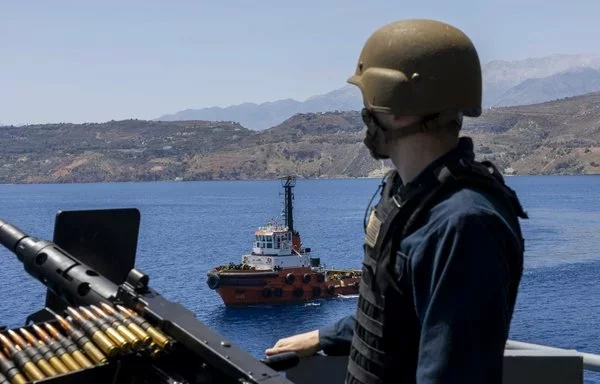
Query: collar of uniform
point(429, 175)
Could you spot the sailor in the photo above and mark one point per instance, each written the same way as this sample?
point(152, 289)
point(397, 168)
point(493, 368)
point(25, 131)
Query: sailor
point(443, 248)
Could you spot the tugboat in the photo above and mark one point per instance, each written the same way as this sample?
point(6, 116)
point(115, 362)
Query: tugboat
point(280, 269)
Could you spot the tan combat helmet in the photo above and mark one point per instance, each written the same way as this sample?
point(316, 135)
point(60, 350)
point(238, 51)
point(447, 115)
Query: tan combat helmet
point(419, 67)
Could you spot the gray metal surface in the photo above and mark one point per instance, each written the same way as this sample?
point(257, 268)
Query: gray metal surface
point(591, 362)
point(521, 366)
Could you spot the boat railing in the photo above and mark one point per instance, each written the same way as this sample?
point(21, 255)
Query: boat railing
point(524, 363)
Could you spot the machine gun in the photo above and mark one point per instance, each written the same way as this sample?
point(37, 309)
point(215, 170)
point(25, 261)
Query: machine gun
point(99, 306)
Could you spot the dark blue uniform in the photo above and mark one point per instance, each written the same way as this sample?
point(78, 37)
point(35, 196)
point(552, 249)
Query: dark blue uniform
point(457, 273)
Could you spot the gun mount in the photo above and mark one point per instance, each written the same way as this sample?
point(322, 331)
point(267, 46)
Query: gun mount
point(99, 305)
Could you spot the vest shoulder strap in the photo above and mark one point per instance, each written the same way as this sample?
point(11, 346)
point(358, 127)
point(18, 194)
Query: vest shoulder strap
point(482, 176)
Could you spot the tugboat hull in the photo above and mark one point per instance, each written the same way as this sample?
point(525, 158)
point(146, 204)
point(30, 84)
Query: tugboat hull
point(292, 285)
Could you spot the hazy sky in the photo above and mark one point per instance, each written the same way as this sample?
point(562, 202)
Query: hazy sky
point(78, 61)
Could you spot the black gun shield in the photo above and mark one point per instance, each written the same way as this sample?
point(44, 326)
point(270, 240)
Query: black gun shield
point(104, 239)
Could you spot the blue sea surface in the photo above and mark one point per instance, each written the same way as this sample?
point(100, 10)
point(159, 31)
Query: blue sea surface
point(189, 227)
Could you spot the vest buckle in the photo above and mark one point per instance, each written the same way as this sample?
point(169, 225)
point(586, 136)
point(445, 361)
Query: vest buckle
point(398, 203)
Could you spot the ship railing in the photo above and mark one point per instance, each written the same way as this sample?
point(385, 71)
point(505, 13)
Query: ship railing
point(590, 361)
point(524, 363)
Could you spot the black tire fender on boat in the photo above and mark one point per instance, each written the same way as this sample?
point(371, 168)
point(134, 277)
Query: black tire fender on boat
point(306, 278)
point(290, 278)
point(298, 292)
point(320, 278)
point(278, 292)
point(331, 289)
point(266, 292)
point(316, 291)
point(213, 281)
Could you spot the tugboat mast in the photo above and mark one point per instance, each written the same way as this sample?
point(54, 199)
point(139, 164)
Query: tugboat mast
point(288, 183)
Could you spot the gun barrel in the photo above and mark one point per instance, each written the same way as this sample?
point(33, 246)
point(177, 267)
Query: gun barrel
point(10, 235)
point(78, 283)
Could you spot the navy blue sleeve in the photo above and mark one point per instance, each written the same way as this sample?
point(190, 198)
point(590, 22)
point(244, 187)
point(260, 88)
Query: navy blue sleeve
point(461, 286)
point(336, 338)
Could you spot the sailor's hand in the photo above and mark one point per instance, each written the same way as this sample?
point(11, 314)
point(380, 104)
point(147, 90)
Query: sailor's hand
point(304, 344)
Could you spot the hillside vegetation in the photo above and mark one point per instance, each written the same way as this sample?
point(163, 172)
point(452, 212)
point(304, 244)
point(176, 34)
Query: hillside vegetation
point(560, 137)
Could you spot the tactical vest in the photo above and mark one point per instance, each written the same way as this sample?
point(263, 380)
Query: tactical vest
point(385, 343)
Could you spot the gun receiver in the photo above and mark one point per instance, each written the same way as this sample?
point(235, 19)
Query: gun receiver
point(98, 311)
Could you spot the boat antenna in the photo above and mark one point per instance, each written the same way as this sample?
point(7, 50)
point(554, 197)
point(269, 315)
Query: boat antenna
point(288, 182)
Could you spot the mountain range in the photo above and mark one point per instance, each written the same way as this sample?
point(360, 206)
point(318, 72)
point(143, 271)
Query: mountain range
point(557, 137)
point(505, 83)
